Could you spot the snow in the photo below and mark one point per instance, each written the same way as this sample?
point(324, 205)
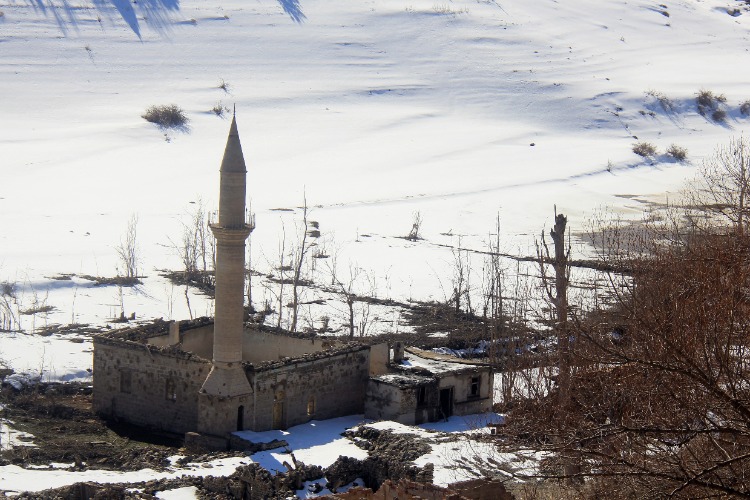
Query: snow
point(374, 110)
point(179, 493)
point(435, 366)
point(318, 442)
point(55, 358)
point(309, 487)
point(10, 438)
point(15, 479)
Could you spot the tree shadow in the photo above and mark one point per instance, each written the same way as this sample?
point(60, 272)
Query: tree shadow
point(155, 13)
point(293, 10)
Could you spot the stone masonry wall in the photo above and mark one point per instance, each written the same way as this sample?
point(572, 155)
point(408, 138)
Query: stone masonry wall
point(147, 386)
point(297, 392)
point(463, 403)
point(384, 402)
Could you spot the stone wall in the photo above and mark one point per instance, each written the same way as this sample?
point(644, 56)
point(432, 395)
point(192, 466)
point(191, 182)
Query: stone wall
point(463, 402)
point(302, 390)
point(384, 402)
point(146, 385)
point(257, 346)
point(261, 346)
point(401, 401)
point(379, 359)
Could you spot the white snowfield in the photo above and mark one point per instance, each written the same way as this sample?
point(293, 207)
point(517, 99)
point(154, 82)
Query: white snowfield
point(372, 110)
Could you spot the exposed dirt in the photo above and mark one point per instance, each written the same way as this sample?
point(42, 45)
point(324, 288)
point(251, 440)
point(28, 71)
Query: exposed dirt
point(66, 430)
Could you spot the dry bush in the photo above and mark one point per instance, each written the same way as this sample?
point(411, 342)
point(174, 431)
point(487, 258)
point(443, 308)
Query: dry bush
point(707, 102)
point(644, 149)
point(166, 116)
point(224, 85)
point(719, 115)
point(677, 152)
point(745, 108)
point(660, 404)
point(664, 101)
point(219, 109)
point(705, 98)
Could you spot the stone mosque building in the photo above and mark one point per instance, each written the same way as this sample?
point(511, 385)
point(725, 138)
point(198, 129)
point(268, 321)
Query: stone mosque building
point(207, 378)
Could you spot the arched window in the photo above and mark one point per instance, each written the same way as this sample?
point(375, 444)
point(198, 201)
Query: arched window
point(311, 406)
point(171, 390)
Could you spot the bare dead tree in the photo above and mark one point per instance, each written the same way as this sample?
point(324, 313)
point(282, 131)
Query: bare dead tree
point(358, 317)
point(659, 400)
point(492, 292)
point(249, 272)
point(282, 270)
point(310, 230)
point(723, 184)
point(127, 250)
point(559, 299)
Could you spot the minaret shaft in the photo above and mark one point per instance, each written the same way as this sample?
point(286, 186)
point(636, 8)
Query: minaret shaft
point(229, 294)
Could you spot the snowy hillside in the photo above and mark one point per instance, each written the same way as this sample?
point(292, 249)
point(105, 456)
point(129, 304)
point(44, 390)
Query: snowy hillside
point(372, 109)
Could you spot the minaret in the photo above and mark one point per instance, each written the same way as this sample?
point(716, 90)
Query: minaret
point(227, 377)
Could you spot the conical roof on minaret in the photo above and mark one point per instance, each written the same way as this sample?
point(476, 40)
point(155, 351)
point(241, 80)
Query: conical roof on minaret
point(233, 160)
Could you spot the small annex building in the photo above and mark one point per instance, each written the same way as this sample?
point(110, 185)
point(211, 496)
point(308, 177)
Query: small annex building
point(207, 378)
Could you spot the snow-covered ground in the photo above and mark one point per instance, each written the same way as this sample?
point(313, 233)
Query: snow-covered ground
point(372, 110)
point(15, 479)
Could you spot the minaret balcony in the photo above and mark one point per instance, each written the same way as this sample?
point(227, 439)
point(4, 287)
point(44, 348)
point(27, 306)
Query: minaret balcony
point(231, 227)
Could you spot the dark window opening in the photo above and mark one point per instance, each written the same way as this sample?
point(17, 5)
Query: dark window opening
point(474, 391)
point(241, 418)
point(446, 402)
point(421, 395)
point(126, 381)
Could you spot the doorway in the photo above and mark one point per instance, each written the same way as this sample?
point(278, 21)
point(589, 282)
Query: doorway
point(241, 418)
point(446, 402)
point(278, 415)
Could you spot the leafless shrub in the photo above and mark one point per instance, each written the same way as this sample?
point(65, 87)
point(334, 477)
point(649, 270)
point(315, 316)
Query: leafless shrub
point(224, 85)
point(677, 152)
point(416, 225)
point(445, 9)
point(8, 306)
point(719, 115)
point(644, 149)
point(166, 116)
point(707, 102)
point(664, 101)
point(704, 98)
point(745, 108)
point(219, 109)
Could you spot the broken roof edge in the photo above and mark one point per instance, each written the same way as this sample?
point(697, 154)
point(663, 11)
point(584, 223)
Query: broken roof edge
point(311, 357)
point(404, 380)
point(447, 358)
point(171, 350)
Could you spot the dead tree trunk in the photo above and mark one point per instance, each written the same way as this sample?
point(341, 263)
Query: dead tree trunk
point(560, 302)
point(300, 259)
